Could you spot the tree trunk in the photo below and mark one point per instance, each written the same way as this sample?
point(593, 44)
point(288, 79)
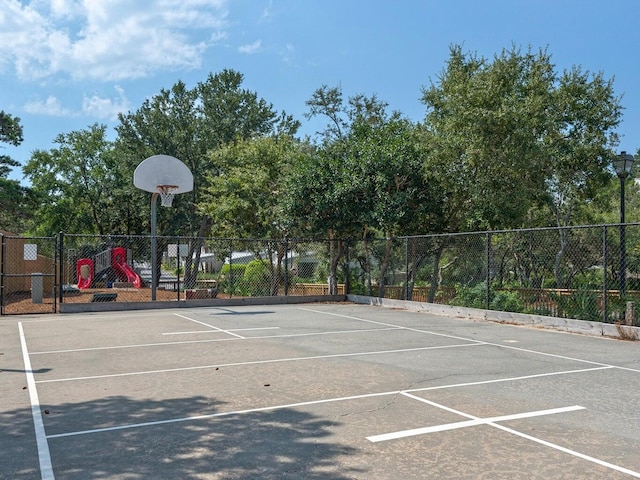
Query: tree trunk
point(335, 253)
point(193, 258)
point(384, 266)
point(435, 273)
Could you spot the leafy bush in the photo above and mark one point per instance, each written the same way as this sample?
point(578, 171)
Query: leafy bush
point(473, 297)
point(231, 279)
point(582, 304)
point(257, 278)
point(504, 301)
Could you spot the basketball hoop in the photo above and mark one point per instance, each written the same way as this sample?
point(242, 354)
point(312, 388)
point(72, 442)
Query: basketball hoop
point(167, 192)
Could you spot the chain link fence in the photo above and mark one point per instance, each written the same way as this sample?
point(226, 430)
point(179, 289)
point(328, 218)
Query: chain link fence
point(584, 272)
point(28, 274)
point(123, 268)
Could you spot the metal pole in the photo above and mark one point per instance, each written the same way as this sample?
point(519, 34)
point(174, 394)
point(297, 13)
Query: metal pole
point(178, 267)
point(605, 293)
point(487, 247)
point(154, 246)
point(406, 269)
point(286, 265)
point(230, 269)
point(3, 255)
point(623, 253)
point(61, 267)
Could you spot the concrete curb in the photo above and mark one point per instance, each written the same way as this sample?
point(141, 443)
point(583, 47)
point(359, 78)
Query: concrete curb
point(213, 302)
point(553, 323)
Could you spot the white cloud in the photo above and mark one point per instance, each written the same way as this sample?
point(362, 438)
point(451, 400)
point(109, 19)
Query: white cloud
point(251, 47)
point(267, 14)
point(288, 53)
point(65, 8)
point(106, 108)
point(51, 107)
point(107, 39)
point(93, 106)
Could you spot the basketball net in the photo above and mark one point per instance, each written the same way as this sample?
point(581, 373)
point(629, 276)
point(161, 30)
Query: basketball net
point(167, 193)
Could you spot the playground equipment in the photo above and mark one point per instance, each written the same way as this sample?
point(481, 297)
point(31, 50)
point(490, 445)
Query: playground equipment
point(88, 269)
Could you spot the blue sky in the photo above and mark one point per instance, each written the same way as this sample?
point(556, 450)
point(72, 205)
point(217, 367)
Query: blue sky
point(66, 64)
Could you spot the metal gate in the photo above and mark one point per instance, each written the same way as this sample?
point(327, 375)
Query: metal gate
point(28, 275)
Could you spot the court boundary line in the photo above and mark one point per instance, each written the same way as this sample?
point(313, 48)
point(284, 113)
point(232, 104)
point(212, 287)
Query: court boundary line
point(500, 345)
point(212, 340)
point(258, 362)
point(42, 445)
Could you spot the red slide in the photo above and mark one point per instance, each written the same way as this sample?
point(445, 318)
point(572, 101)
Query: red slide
point(84, 269)
point(122, 268)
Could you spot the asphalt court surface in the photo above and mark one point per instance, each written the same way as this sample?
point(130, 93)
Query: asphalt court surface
point(315, 391)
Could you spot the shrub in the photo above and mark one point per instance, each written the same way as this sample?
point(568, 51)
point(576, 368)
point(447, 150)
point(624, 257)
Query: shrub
point(231, 279)
point(257, 278)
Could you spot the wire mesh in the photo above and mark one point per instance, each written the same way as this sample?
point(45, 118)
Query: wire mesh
point(587, 272)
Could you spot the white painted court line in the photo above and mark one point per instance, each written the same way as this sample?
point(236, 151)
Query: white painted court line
point(44, 456)
point(185, 342)
point(492, 422)
point(318, 402)
point(139, 345)
point(208, 325)
point(569, 451)
point(335, 332)
point(260, 362)
point(386, 324)
point(230, 330)
point(468, 423)
point(501, 345)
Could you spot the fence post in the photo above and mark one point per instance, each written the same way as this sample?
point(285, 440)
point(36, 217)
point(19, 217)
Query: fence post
point(286, 266)
point(61, 267)
point(488, 269)
point(230, 269)
point(605, 293)
point(178, 269)
point(3, 255)
point(406, 268)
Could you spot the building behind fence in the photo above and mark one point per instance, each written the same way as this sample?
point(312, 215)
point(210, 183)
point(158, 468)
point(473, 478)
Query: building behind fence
point(574, 272)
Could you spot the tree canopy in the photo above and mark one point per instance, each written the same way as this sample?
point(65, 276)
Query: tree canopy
point(16, 201)
point(512, 127)
point(494, 130)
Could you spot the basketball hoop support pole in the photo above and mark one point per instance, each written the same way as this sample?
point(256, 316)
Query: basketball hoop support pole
point(154, 245)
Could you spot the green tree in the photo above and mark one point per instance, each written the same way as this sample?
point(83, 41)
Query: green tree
point(485, 121)
point(365, 178)
point(16, 201)
point(512, 128)
point(74, 182)
point(188, 124)
point(243, 195)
